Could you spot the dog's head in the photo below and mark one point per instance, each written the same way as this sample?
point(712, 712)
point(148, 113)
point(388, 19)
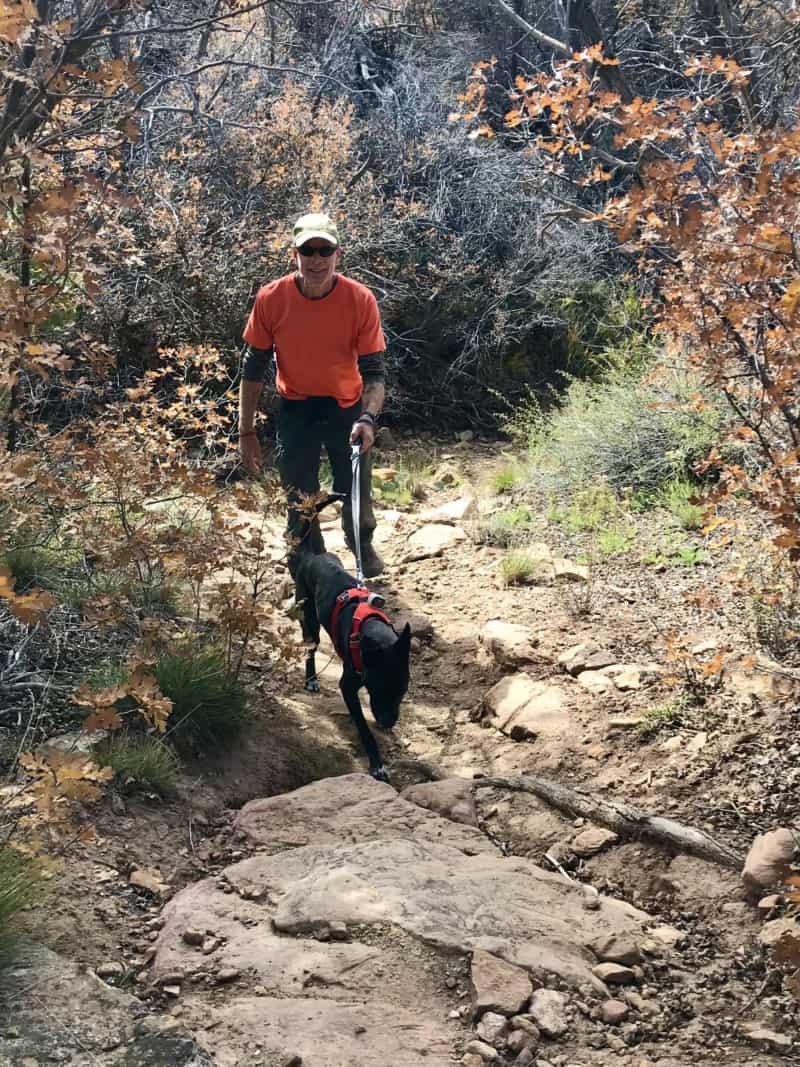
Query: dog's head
point(386, 677)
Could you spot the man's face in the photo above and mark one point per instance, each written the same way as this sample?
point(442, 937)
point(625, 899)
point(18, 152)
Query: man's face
point(316, 272)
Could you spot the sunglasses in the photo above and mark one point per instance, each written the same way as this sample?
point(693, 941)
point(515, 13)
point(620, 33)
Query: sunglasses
point(309, 250)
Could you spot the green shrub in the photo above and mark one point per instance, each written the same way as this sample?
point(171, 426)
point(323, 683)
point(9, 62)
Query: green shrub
point(208, 705)
point(587, 509)
point(149, 761)
point(678, 497)
point(670, 715)
point(505, 528)
point(676, 551)
point(507, 478)
point(614, 540)
point(630, 432)
point(20, 887)
point(521, 565)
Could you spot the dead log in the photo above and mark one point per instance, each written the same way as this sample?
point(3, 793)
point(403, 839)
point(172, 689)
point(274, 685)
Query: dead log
point(623, 819)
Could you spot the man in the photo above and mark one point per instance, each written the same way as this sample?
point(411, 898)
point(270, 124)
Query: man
point(323, 331)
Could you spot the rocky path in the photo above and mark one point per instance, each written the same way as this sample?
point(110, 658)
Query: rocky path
point(436, 923)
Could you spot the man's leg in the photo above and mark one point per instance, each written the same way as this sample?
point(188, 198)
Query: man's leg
point(297, 454)
point(337, 445)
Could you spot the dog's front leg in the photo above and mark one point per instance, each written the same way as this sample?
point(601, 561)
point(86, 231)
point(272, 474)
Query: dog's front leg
point(349, 686)
point(312, 684)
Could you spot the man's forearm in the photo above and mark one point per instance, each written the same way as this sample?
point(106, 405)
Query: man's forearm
point(372, 398)
point(249, 395)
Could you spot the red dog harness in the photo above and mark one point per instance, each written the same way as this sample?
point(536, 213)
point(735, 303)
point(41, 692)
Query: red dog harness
point(364, 611)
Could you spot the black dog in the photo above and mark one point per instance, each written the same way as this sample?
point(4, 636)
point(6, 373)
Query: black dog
point(373, 654)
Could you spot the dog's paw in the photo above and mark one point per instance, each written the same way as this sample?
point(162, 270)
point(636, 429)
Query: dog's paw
point(312, 686)
point(380, 774)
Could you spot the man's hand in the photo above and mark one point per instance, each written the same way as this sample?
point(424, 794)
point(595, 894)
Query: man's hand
point(365, 432)
point(250, 451)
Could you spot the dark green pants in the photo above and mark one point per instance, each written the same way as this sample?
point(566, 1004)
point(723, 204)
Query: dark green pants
point(303, 427)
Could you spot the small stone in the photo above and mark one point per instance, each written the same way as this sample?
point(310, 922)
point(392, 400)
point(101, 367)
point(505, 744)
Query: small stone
point(471, 1060)
point(768, 859)
point(613, 948)
point(210, 944)
point(770, 902)
point(172, 990)
point(584, 657)
point(111, 969)
point(193, 937)
point(498, 986)
point(526, 1023)
point(769, 1039)
point(595, 681)
point(548, 1009)
point(591, 898)
point(339, 931)
point(613, 1012)
point(227, 974)
point(668, 936)
point(772, 932)
point(486, 1052)
point(517, 1040)
point(493, 1028)
point(525, 1058)
point(466, 435)
point(614, 974)
point(593, 840)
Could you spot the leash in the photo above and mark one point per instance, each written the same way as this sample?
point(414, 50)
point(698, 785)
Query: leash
point(355, 509)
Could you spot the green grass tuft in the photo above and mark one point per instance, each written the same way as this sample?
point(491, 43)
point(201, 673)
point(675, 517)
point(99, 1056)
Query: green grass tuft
point(667, 716)
point(20, 888)
point(505, 528)
point(678, 497)
point(520, 565)
point(149, 761)
point(209, 707)
point(507, 478)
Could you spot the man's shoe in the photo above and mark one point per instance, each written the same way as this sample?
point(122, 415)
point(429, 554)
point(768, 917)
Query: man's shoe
point(371, 562)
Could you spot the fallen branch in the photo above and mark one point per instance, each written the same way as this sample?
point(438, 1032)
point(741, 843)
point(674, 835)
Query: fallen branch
point(623, 819)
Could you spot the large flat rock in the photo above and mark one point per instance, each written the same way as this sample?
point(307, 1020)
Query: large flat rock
point(353, 808)
point(55, 1011)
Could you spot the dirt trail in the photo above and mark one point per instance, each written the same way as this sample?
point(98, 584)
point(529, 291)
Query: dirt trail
point(691, 1004)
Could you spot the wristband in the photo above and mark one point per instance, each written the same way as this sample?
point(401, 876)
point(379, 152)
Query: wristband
point(367, 416)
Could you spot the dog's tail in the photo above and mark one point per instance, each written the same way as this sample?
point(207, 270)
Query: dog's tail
point(309, 541)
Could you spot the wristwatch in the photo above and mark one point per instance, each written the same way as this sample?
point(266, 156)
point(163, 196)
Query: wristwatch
point(367, 416)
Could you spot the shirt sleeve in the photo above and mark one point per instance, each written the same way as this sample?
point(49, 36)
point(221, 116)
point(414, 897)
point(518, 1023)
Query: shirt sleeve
point(255, 364)
point(370, 335)
point(372, 367)
point(257, 332)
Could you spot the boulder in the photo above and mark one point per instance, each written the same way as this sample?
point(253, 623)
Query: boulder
point(432, 540)
point(524, 709)
point(586, 656)
point(566, 570)
point(465, 507)
point(510, 644)
point(498, 986)
point(768, 859)
point(595, 681)
point(612, 949)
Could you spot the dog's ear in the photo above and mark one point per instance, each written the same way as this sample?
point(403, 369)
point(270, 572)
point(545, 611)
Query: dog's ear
point(403, 646)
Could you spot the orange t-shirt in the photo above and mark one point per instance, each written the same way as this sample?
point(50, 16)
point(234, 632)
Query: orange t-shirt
point(317, 342)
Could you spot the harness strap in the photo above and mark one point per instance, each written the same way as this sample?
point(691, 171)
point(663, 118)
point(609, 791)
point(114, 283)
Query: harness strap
point(363, 611)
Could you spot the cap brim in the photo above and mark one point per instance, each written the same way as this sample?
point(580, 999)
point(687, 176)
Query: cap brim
point(308, 235)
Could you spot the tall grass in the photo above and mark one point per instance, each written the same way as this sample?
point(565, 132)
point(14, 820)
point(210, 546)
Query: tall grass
point(20, 887)
point(209, 707)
